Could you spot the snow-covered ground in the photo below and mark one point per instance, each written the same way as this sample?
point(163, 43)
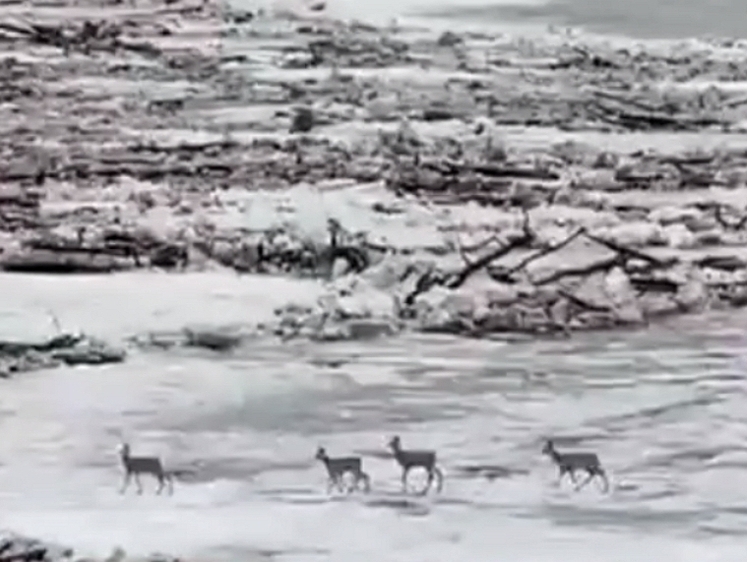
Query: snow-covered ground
point(664, 409)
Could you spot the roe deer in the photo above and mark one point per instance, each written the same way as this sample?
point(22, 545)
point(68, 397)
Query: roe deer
point(569, 463)
point(409, 459)
point(338, 467)
point(135, 466)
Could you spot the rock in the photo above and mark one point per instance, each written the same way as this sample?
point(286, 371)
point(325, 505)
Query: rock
point(634, 234)
point(444, 310)
point(560, 312)
point(169, 256)
point(224, 252)
point(708, 238)
point(593, 320)
point(442, 322)
point(340, 267)
point(351, 306)
point(657, 305)
point(213, 339)
point(449, 39)
point(246, 259)
point(692, 296)
point(646, 171)
point(17, 548)
point(591, 290)
point(738, 297)
point(672, 214)
point(606, 161)
point(501, 294)
point(332, 332)
point(677, 235)
point(598, 180)
point(386, 274)
point(454, 303)
point(504, 319)
point(90, 352)
point(370, 328)
point(622, 296)
point(303, 120)
point(552, 234)
point(614, 292)
point(117, 555)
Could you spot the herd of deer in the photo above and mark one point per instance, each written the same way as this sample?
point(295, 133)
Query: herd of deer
point(338, 467)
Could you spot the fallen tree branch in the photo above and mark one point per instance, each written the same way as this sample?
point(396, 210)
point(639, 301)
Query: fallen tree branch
point(459, 278)
point(628, 252)
point(506, 276)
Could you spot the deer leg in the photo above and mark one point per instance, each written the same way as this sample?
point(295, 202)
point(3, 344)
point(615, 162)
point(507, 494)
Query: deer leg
point(353, 485)
point(160, 484)
point(585, 482)
point(125, 483)
point(330, 484)
point(572, 474)
point(405, 472)
point(171, 485)
point(428, 483)
point(139, 484)
point(603, 475)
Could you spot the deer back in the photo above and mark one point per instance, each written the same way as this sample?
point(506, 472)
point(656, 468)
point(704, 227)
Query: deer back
point(407, 458)
point(341, 465)
point(578, 460)
point(143, 464)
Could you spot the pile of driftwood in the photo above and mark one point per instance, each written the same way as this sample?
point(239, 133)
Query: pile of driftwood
point(87, 37)
point(518, 283)
point(113, 250)
point(15, 548)
point(65, 349)
point(622, 286)
point(280, 251)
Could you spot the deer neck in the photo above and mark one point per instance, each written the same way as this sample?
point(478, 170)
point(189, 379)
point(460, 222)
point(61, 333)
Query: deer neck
point(397, 453)
point(555, 456)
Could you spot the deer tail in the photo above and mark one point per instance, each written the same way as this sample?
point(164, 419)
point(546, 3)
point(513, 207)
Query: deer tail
point(440, 477)
point(366, 481)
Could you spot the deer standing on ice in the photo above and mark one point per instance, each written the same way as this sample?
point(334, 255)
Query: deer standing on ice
point(339, 466)
point(569, 463)
point(135, 466)
point(409, 459)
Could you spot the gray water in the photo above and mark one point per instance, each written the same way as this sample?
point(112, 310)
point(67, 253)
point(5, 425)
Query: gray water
point(664, 409)
point(660, 19)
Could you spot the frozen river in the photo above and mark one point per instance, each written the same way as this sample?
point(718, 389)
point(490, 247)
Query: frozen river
point(664, 19)
point(665, 409)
